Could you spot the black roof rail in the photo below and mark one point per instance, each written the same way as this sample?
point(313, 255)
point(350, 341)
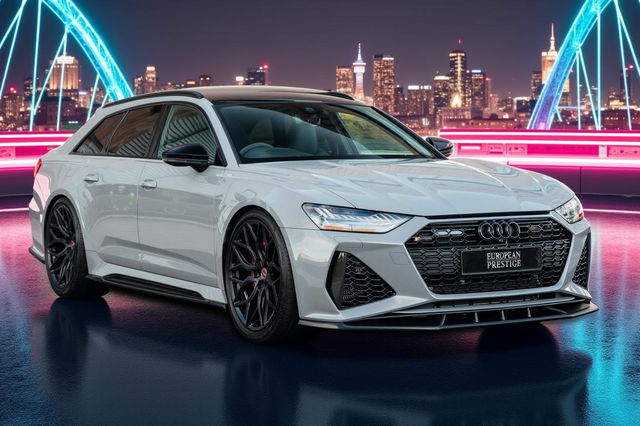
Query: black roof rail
point(189, 93)
point(339, 95)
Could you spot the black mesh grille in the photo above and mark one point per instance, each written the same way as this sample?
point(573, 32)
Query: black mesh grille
point(353, 283)
point(581, 276)
point(436, 252)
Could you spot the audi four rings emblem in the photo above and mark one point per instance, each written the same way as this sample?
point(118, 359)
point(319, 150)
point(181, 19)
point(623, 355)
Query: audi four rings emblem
point(496, 231)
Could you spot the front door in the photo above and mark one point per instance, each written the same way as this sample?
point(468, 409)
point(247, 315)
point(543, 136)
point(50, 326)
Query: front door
point(178, 207)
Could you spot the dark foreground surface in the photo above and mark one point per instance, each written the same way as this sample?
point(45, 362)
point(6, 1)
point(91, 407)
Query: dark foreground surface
point(137, 359)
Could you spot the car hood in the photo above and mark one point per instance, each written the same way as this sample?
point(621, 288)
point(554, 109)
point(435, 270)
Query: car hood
point(423, 187)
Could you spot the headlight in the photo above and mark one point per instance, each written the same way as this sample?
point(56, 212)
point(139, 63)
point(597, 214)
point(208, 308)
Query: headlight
point(331, 218)
point(571, 210)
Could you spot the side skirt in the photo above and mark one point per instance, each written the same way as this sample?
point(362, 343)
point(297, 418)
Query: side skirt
point(152, 287)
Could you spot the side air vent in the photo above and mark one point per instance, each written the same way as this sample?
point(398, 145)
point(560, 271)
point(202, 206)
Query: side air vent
point(581, 276)
point(352, 283)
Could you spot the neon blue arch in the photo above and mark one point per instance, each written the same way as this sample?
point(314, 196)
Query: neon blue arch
point(546, 107)
point(116, 86)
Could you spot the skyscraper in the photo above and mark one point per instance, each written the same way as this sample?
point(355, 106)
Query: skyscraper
point(150, 79)
point(630, 73)
point(359, 67)
point(257, 76)
point(419, 100)
point(458, 75)
point(442, 89)
point(384, 82)
point(536, 84)
point(548, 59)
point(479, 93)
point(344, 80)
point(138, 85)
point(399, 101)
point(70, 79)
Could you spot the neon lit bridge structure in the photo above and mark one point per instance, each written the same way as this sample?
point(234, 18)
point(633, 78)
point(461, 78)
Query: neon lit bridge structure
point(588, 23)
point(73, 23)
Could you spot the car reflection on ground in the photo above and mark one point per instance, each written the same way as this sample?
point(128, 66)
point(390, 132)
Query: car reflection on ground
point(107, 366)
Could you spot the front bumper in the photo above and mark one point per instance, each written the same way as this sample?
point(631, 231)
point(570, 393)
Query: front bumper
point(415, 305)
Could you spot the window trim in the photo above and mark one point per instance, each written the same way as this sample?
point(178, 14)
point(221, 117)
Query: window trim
point(220, 159)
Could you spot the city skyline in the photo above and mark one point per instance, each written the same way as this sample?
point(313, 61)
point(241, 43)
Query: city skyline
point(297, 47)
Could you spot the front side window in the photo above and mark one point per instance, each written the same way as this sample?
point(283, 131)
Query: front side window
point(187, 126)
point(133, 137)
point(282, 131)
point(100, 136)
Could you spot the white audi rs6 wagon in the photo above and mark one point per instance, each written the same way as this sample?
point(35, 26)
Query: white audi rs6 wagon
point(303, 207)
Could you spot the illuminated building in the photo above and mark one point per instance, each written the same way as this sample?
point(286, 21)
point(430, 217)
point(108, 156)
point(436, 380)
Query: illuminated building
point(536, 84)
point(399, 101)
point(11, 105)
point(359, 67)
point(441, 92)
point(459, 80)
point(257, 76)
point(453, 114)
point(70, 78)
point(548, 59)
point(384, 82)
point(630, 74)
point(28, 86)
point(419, 100)
point(479, 92)
point(205, 80)
point(239, 80)
point(344, 80)
point(190, 83)
point(138, 85)
point(150, 79)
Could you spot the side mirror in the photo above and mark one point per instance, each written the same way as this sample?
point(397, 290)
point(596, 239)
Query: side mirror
point(193, 155)
point(443, 145)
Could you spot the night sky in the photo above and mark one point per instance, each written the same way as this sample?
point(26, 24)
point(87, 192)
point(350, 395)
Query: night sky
point(304, 40)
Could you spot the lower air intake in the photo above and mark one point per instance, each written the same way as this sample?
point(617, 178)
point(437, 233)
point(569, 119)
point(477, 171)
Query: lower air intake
point(352, 283)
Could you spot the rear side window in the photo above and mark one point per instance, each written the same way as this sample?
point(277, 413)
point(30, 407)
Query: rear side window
point(99, 137)
point(133, 137)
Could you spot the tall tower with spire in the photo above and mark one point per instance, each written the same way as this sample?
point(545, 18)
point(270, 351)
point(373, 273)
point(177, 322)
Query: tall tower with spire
point(549, 58)
point(358, 70)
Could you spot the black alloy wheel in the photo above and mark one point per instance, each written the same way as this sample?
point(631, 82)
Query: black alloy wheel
point(258, 280)
point(65, 257)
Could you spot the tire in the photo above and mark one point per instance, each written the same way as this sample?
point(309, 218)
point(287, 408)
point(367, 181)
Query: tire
point(259, 284)
point(65, 256)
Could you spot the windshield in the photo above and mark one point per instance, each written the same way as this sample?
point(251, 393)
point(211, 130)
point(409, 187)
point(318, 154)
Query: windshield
point(288, 131)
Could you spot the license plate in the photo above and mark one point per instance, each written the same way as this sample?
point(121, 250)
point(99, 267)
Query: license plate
point(496, 261)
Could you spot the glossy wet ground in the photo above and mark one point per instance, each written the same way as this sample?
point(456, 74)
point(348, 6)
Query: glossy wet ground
point(137, 359)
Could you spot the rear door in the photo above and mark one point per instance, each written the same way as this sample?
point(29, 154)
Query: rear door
point(112, 181)
point(178, 207)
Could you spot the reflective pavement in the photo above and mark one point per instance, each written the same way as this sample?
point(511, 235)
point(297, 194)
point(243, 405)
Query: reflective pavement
point(133, 358)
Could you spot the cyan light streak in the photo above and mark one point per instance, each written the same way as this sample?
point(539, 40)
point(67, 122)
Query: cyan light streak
point(46, 80)
point(624, 69)
point(18, 20)
point(582, 65)
point(61, 93)
point(93, 96)
point(34, 81)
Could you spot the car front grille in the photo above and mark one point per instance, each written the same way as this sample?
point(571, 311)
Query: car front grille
point(436, 252)
point(581, 276)
point(352, 283)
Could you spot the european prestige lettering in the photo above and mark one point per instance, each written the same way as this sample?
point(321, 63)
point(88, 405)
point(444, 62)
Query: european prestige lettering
point(504, 259)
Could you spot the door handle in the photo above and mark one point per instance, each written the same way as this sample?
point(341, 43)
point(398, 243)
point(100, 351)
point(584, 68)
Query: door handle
point(91, 178)
point(149, 184)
